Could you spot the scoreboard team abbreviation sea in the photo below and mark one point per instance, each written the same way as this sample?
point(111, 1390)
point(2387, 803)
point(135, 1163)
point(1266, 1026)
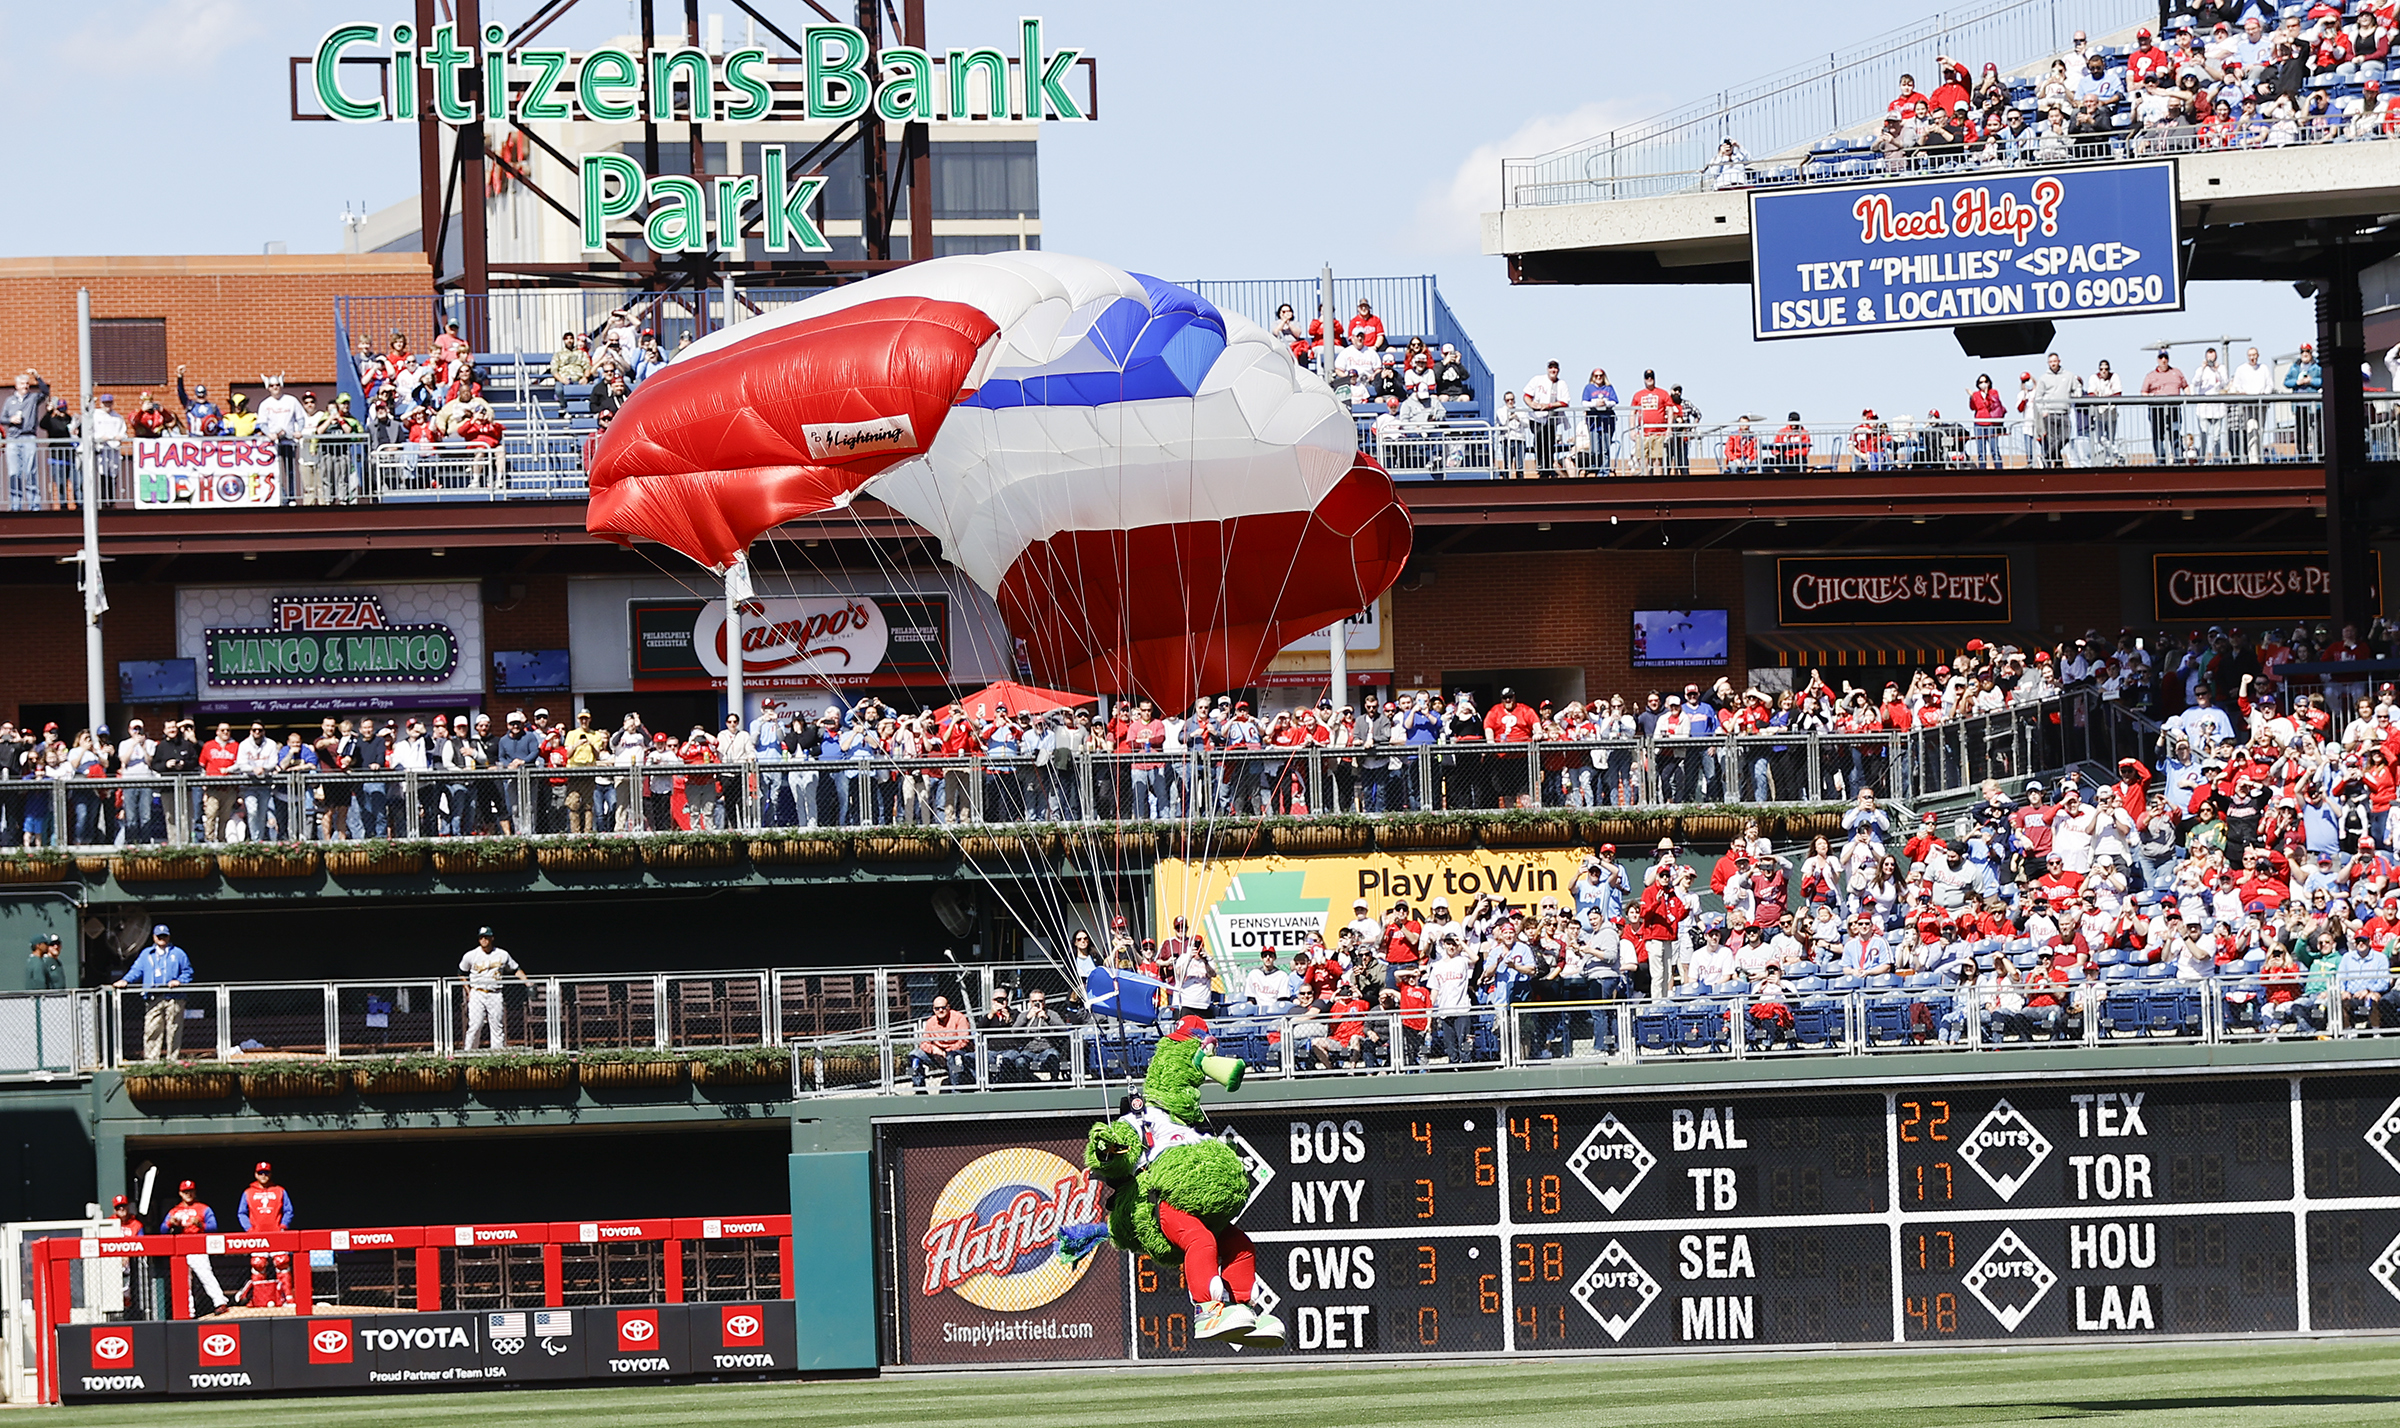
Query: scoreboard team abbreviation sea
point(1964, 248)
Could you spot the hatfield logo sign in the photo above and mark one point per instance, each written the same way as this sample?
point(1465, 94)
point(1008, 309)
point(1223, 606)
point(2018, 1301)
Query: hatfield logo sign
point(837, 76)
point(331, 639)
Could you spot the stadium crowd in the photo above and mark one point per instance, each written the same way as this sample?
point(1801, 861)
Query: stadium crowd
point(2235, 77)
point(870, 764)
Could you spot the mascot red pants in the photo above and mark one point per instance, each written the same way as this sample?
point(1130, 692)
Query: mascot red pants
point(1209, 1254)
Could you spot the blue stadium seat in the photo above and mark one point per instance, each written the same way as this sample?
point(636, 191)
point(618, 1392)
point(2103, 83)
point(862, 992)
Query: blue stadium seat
point(1890, 1019)
point(1818, 1024)
point(1703, 1028)
point(1848, 984)
point(2117, 973)
point(2026, 961)
point(1654, 1030)
point(2125, 1012)
point(2156, 971)
point(2175, 1013)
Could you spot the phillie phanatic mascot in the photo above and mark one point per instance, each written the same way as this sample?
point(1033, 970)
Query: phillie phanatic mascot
point(1174, 1190)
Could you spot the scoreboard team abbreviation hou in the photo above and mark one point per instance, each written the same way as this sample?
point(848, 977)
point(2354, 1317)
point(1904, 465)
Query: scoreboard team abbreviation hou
point(1974, 246)
point(1961, 1212)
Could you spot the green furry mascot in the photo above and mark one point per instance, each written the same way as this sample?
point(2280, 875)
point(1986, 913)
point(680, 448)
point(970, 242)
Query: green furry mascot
point(1174, 1190)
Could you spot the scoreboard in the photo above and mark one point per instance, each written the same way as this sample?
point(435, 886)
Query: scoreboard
point(1968, 1212)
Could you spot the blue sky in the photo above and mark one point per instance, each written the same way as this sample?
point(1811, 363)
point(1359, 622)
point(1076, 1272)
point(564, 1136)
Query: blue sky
point(1239, 139)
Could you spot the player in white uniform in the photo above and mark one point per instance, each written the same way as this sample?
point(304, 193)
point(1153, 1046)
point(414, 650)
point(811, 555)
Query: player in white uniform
point(484, 966)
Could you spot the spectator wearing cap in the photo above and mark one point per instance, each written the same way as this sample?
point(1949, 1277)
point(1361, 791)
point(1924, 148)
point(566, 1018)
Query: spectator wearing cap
point(158, 970)
point(44, 970)
point(484, 965)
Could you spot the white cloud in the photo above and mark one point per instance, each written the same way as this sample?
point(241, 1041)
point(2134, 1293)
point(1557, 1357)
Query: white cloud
point(1450, 214)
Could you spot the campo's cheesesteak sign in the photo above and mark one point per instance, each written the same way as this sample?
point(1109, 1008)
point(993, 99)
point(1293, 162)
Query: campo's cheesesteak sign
point(1892, 590)
point(838, 640)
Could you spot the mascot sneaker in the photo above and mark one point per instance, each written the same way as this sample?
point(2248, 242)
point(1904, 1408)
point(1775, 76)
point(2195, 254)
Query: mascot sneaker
point(1266, 1333)
point(1222, 1321)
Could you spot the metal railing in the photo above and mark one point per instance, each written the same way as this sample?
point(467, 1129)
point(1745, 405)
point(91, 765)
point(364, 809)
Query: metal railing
point(240, 1023)
point(50, 1032)
point(327, 470)
point(1842, 160)
point(1596, 1019)
point(1776, 766)
point(1790, 109)
point(2091, 433)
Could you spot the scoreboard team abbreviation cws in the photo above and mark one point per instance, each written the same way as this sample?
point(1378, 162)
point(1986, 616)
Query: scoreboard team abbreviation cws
point(1968, 1213)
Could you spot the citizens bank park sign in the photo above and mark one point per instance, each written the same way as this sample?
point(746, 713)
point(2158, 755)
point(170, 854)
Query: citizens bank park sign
point(1816, 590)
point(837, 75)
point(839, 641)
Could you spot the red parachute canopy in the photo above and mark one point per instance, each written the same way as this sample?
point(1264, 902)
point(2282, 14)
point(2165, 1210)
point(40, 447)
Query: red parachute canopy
point(713, 451)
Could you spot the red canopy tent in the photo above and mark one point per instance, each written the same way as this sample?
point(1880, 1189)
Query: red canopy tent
point(1021, 698)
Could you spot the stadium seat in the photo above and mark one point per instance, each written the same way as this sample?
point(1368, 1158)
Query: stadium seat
point(1819, 1024)
point(2155, 971)
point(1809, 984)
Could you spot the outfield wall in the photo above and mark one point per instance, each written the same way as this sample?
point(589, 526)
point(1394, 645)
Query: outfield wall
point(2034, 1197)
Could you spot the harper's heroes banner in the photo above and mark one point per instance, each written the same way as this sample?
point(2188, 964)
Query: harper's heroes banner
point(2246, 585)
point(1813, 590)
point(1974, 246)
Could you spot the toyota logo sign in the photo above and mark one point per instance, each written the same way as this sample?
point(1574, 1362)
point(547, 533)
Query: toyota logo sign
point(112, 1348)
point(742, 1326)
point(221, 1347)
point(639, 1331)
point(330, 1341)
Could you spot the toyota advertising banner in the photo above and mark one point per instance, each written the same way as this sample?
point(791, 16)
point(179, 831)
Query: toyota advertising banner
point(979, 1278)
point(370, 1349)
point(838, 641)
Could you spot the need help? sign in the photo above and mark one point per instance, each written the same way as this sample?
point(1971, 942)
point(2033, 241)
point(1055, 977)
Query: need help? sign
point(1976, 245)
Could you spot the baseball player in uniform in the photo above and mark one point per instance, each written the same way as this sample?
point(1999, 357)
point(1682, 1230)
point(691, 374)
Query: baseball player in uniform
point(266, 1207)
point(191, 1216)
point(484, 966)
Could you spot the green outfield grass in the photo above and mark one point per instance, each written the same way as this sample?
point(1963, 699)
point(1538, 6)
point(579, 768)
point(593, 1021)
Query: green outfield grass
point(2219, 1386)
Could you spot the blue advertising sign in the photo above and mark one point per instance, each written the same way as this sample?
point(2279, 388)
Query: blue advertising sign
point(1973, 246)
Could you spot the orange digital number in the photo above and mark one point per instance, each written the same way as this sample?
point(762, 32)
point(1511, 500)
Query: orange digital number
point(1426, 1273)
point(1425, 1199)
point(1486, 1173)
point(1541, 1195)
point(1488, 1293)
point(1529, 1129)
point(1429, 1326)
point(1145, 1275)
point(1422, 1133)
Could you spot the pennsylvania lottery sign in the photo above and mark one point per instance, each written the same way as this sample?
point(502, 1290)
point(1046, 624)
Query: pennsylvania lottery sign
point(1974, 246)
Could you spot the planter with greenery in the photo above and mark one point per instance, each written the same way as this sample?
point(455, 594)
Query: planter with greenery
point(470, 857)
point(902, 847)
point(630, 1068)
point(1402, 832)
point(288, 1079)
point(162, 867)
point(180, 1081)
point(846, 1067)
point(418, 1075)
point(1530, 832)
point(992, 845)
point(776, 847)
point(267, 860)
point(35, 865)
point(93, 866)
point(374, 858)
point(692, 850)
point(1327, 835)
point(742, 1066)
point(519, 1071)
point(589, 853)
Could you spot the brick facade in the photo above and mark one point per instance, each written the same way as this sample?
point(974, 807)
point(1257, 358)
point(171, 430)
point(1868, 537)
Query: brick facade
point(230, 319)
point(1563, 609)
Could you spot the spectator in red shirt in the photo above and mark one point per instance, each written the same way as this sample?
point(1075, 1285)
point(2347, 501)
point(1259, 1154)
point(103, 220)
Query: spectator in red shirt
point(1651, 406)
point(1909, 99)
point(2045, 996)
point(218, 800)
point(1414, 1002)
point(1366, 329)
point(2146, 60)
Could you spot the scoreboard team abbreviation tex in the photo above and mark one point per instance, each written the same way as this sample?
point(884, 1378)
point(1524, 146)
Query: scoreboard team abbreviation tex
point(1971, 247)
